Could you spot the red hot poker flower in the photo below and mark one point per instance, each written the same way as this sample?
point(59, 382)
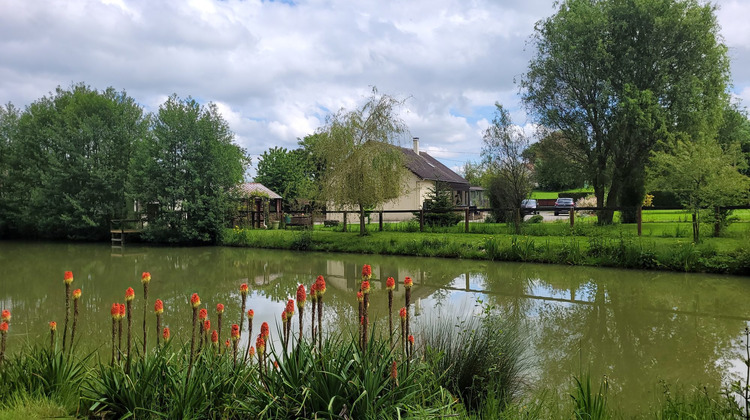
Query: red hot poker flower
point(53, 326)
point(394, 371)
point(129, 294)
point(165, 334)
point(202, 314)
point(215, 337)
point(4, 327)
point(264, 330)
point(365, 287)
point(313, 292)
point(366, 272)
point(260, 344)
point(243, 289)
point(235, 332)
point(145, 277)
point(68, 277)
point(159, 306)
point(121, 315)
point(402, 313)
point(219, 308)
point(301, 296)
point(411, 339)
point(6, 315)
point(251, 314)
point(251, 352)
point(408, 282)
point(77, 294)
point(227, 343)
point(283, 316)
point(207, 325)
point(390, 283)
point(290, 307)
point(115, 311)
point(360, 296)
point(320, 285)
point(195, 300)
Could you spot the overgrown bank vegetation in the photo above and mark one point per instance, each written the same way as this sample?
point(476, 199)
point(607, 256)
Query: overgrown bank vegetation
point(667, 248)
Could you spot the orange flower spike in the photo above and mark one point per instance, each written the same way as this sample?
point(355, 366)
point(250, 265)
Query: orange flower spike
point(365, 287)
point(290, 307)
point(251, 314)
point(283, 316)
point(260, 344)
point(411, 339)
point(4, 327)
point(215, 337)
point(121, 310)
point(76, 294)
point(313, 292)
point(53, 326)
point(219, 308)
point(115, 311)
point(165, 334)
point(320, 285)
point(402, 313)
point(145, 277)
point(251, 352)
point(264, 330)
point(203, 314)
point(408, 282)
point(243, 289)
point(68, 277)
point(129, 294)
point(195, 300)
point(301, 296)
point(227, 343)
point(235, 332)
point(360, 296)
point(394, 371)
point(366, 272)
point(390, 283)
point(6, 315)
point(159, 307)
point(207, 325)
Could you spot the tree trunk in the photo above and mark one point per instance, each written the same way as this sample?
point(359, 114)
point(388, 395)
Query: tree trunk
point(362, 231)
point(696, 227)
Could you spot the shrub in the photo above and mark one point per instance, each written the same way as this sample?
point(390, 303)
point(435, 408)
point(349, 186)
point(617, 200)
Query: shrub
point(537, 218)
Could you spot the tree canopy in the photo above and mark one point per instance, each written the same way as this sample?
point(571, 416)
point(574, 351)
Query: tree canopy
point(287, 172)
point(617, 76)
point(364, 168)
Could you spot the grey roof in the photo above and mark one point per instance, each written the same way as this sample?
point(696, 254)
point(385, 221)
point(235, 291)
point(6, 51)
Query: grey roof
point(429, 168)
point(257, 187)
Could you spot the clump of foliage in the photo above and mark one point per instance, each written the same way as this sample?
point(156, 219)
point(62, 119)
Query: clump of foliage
point(439, 208)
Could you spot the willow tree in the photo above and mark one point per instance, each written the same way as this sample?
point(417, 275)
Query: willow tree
point(359, 149)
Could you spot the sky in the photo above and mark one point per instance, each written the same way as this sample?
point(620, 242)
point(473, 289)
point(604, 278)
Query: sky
point(275, 69)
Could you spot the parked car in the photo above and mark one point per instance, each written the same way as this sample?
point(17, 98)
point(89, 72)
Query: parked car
point(528, 207)
point(564, 205)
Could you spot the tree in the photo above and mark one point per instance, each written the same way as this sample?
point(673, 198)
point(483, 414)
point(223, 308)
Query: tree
point(556, 167)
point(702, 174)
point(439, 207)
point(609, 72)
point(363, 166)
point(504, 144)
point(9, 116)
point(188, 166)
point(69, 159)
point(288, 172)
point(735, 129)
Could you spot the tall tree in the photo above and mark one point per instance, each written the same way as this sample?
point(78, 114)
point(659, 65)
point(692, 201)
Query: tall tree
point(504, 144)
point(69, 162)
point(556, 165)
point(188, 166)
point(287, 172)
point(363, 168)
point(608, 72)
point(9, 116)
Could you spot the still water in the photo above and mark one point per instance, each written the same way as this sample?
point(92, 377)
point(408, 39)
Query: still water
point(637, 327)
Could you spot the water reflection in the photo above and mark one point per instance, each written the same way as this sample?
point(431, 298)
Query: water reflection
point(636, 327)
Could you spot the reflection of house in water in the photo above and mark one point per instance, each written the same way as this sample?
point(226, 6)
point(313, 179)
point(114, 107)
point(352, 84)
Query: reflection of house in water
point(265, 278)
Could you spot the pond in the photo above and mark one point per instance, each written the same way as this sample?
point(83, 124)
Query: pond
point(637, 327)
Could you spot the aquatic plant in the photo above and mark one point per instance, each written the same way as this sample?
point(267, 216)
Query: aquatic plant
point(76, 297)
point(67, 280)
point(145, 280)
point(158, 310)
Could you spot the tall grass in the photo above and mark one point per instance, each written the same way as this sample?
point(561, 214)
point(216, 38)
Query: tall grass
point(481, 359)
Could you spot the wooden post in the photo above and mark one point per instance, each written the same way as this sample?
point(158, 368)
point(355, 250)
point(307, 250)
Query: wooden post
point(421, 220)
point(572, 214)
point(258, 210)
point(380, 220)
point(639, 219)
point(466, 220)
point(345, 222)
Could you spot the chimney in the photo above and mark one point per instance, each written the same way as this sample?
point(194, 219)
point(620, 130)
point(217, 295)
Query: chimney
point(416, 145)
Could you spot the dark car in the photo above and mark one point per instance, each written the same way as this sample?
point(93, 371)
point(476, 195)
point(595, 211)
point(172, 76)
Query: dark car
point(564, 205)
point(528, 207)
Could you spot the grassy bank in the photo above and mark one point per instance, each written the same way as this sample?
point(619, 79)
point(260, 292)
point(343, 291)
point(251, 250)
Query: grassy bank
point(556, 243)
